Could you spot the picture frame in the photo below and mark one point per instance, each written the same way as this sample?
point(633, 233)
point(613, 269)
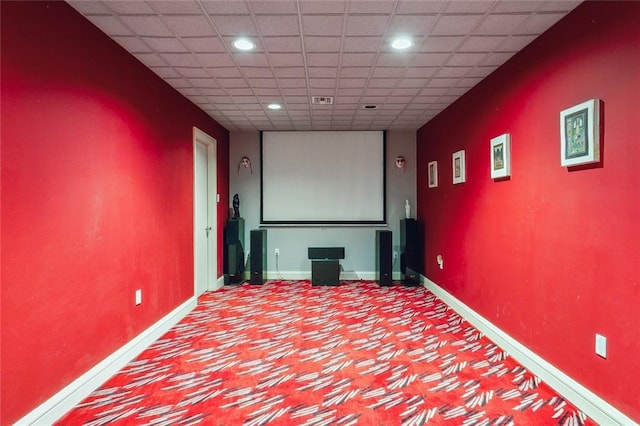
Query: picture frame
point(459, 167)
point(501, 156)
point(580, 134)
point(432, 174)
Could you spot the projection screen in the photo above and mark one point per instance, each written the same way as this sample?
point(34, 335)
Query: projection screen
point(316, 178)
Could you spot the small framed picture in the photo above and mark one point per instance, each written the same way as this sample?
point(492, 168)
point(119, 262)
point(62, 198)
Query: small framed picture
point(501, 156)
point(458, 167)
point(432, 174)
point(580, 134)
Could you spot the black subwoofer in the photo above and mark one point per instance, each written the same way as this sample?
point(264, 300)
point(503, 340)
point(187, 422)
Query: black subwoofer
point(384, 257)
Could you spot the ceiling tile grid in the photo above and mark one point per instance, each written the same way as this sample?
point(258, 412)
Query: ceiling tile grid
point(339, 48)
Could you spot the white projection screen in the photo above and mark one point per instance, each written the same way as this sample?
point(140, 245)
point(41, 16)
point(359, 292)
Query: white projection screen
point(323, 178)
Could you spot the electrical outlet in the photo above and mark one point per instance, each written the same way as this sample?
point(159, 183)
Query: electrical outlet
point(395, 254)
point(277, 252)
point(601, 345)
point(138, 296)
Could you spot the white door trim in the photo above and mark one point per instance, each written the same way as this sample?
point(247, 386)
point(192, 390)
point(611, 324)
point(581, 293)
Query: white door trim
point(212, 219)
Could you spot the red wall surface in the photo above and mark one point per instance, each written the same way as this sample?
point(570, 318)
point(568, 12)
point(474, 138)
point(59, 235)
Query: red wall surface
point(97, 199)
point(552, 255)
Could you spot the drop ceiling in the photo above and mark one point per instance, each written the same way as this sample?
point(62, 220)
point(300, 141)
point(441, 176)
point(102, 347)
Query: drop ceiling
point(328, 48)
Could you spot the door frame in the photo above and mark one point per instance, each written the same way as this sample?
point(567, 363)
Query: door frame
point(212, 208)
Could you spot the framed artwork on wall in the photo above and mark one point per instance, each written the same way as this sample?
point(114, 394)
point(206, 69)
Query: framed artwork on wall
point(459, 167)
point(432, 174)
point(580, 134)
point(501, 156)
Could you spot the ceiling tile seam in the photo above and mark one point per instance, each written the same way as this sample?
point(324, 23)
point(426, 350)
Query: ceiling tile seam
point(304, 61)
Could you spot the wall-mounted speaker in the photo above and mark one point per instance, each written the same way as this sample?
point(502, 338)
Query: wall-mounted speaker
point(384, 257)
point(258, 256)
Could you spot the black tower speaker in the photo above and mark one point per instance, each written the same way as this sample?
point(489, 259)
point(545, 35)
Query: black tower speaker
point(234, 251)
point(411, 252)
point(258, 256)
point(384, 257)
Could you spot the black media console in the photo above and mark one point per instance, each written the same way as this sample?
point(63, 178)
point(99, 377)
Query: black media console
point(325, 265)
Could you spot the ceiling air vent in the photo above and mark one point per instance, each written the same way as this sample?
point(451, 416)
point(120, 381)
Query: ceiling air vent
point(322, 100)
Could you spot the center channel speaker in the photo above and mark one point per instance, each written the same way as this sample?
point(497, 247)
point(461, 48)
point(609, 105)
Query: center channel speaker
point(258, 256)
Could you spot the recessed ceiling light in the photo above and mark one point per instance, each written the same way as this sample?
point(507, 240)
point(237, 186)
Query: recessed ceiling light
point(401, 43)
point(243, 44)
point(274, 106)
point(369, 106)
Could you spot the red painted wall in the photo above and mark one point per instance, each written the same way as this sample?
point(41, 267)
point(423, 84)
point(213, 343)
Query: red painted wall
point(97, 199)
point(552, 255)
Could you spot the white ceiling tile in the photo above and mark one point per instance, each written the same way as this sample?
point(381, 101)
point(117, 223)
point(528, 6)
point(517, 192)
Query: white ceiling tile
point(193, 72)
point(251, 59)
point(281, 44)
point(165, 44)
point(203, 82)
point(408, 91)
point(362, 44)
point(273, 6)
point(538, 23)
point(322, 59)
point(481, 43)
point(322, 7)
point(379, 91)
point(500, 24)
point(258, 72)
point(227, 72)
point(466, 59)
point(129, 7)
point(366, 24)
point(264, 87)
point(388, 72)
point(166, 72)
point(228, 83)
point(225, 7)
point(133, 44)
point(382, 82)
point(204, 44)
point(420, 7)
point(352, 82)
point(214, 60)
point(559, 6)
point(515, 43)
point(421, 71)
point(429, 59)
point(178, 83)
point(351, 72)
point(212, 92)
point(481, 71)
point(510, 6)
point(176, 7)
point(451, 25)
point(453, 72)
point(147, 25)
point(235, 25)
point(495, 59)
point(322, 44)
point(358, 59)
point(412, 83)
point(322, 25)
point(322, 72)
point(289, 72)
point(442, 82)
point(320, 83)
point(292, 82)
point(469, 6)
point(189, 26)
point(369, 6)
point(111, 25)
point(284, 25)
point(151, 59)
point(245, 99)
point(395, 59)
point(413, 25)
point(440, 44)
point(239, 91)
point(286, 59)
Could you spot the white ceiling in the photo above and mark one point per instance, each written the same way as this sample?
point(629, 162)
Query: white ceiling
point(338, 48)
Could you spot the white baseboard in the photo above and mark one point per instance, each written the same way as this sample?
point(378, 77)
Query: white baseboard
point(218, 284)
point(60, 403)
point(591, 404)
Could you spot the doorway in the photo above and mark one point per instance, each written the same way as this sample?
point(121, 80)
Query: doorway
point(205, 230)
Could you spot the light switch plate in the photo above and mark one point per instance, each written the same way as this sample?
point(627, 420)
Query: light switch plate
point(601, 345)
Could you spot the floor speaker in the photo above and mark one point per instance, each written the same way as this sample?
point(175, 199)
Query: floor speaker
point(235, 263)
point(258, 256)
point(410, 252)
point(384, 257)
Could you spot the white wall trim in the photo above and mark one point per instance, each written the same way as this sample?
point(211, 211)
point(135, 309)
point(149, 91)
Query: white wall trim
point(591, 404)
point(60, 403)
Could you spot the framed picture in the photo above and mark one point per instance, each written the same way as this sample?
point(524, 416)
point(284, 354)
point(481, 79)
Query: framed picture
point(501, 156)
point(580, 134)
point(432, 174)
point(458, 167)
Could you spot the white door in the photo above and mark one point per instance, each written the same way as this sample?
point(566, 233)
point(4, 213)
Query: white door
point(205, 234)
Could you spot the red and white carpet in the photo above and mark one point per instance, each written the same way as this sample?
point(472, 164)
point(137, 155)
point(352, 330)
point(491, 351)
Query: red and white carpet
point(288, 353)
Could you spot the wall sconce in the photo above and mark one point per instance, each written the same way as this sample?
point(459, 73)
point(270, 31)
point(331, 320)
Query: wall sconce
point(245, 163)
point(400, 162)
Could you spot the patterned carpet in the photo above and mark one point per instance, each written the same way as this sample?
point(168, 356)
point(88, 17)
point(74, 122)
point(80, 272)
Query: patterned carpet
point(288, 353)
